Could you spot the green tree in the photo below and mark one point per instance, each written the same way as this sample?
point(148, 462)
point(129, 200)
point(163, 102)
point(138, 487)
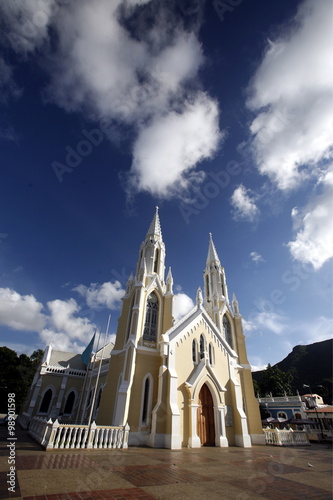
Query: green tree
point(16, 375)
point(276, 382)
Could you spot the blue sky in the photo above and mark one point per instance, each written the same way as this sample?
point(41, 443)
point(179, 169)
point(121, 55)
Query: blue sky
point(219, 112)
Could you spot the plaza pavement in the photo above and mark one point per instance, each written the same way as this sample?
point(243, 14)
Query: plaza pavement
point(261, 472)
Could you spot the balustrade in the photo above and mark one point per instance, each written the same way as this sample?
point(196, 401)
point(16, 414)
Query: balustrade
point(277, 437)
point(53, 435)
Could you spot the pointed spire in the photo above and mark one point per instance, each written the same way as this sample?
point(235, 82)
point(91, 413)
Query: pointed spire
point(169, 277)
point(199, 297)
point(235, 304)
point(212, 253)
point(169, 282)
point(155, 226)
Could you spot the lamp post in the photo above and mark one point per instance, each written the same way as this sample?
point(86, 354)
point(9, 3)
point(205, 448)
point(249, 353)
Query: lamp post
point(315, 407)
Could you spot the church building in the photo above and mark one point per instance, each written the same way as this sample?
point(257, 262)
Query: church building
point(184, 383)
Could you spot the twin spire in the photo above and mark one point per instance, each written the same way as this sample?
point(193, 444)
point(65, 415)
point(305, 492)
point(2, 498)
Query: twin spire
point(155, 226)
point(152, 257)
point(212, 253)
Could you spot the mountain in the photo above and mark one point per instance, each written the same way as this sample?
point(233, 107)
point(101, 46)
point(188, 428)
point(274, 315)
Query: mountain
point(306, 364)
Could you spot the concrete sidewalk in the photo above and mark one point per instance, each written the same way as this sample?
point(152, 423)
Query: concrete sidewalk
point(261, 472)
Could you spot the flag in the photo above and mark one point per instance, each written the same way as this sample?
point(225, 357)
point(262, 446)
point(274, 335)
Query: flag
point(86, 355)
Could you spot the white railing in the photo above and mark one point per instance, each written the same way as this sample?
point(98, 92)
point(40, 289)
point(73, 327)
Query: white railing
point(277, 437)
point(53, 435)
point(279, 399)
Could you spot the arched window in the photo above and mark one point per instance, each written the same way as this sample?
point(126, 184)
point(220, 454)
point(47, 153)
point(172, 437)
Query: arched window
point(146, 402)
point(207, 288)
point(227, 330)
point(202, 346)
point(69, 403)
point(211, 354)
point(150, 328)
point(157, 253)
point(45, 404)
point(132, 319)
point(222, 288)
point(194, 351)
point(282, 414)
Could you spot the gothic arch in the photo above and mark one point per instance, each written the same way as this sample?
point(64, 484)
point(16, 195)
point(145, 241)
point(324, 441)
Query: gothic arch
point(46, 400)
point(152, 317)
point(228, 330)
point(70, 399)
point(146, 400)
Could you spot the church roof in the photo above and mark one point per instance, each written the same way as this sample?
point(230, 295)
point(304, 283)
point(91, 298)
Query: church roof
point(106, 352)
point(63, 359)
point(212, 253)
point(155, 226)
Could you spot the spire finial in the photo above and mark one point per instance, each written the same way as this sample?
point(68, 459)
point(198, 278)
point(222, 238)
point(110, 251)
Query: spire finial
point(155, 226)
point(212, 253)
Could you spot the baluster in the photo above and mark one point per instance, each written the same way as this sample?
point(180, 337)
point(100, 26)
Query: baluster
point(73, 444)
point(78, 444)
point(69, 437)
point(101, 439)
point(85, 437)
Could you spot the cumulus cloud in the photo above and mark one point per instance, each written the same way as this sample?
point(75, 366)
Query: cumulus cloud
point(162, 169)
point(313, 225)
point(243, 204)
point(291, 94)
point(62, 326)
point(66, 331)
point(131, 64)
point(20, 312)
point(266, 321)
point(182, 304)
point(106, 295)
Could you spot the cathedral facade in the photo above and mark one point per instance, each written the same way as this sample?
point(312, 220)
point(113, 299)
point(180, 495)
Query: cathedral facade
point(184, 383)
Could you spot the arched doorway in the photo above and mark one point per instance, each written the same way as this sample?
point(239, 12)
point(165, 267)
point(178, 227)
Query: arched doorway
point(205, 417)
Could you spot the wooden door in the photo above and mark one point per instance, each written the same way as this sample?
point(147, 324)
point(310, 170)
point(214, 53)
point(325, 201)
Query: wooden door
point(205, 417)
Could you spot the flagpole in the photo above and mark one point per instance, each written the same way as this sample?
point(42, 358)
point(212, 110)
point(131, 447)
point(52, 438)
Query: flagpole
point(91, 373)
point(82, 392)
point(98, 374)
point(84, 384)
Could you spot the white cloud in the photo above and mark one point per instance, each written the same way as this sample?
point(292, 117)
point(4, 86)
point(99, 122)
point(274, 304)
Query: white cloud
point(256, 257)
point(314, 238)
point(20, 312)
point(291, 92)
point(28, 23)
point(266, 321)
point(138, 78)
point(243, 203)
point(67, 331)
point(182, 304)
point(162, 169)
point(100, 296)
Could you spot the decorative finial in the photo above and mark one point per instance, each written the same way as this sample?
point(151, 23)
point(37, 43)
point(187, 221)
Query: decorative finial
point(211, 236)
point(157, 208)
point(199, 297)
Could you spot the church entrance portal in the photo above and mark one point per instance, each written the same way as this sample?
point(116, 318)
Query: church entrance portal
point(205, 417)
